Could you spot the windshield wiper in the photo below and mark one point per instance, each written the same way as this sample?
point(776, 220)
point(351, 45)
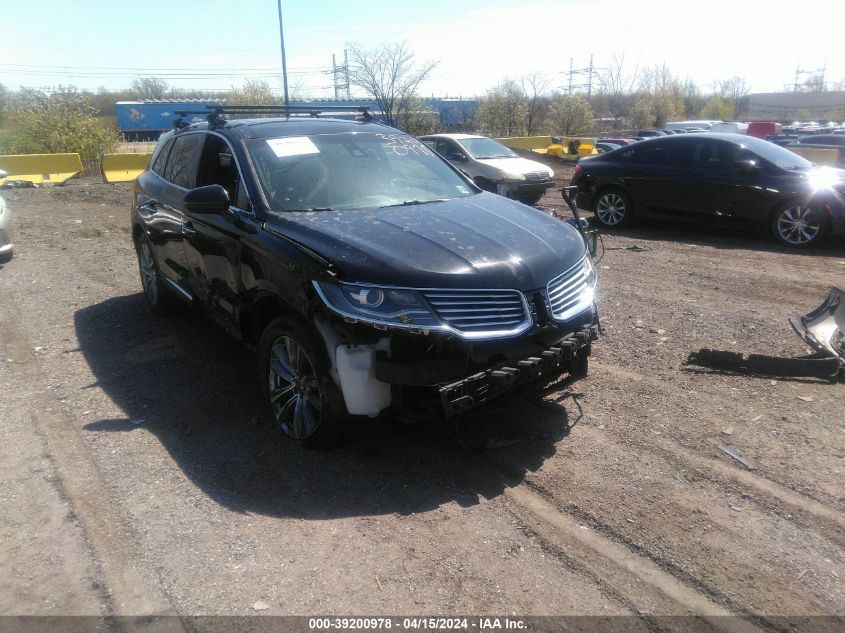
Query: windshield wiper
point(311, 209)
point(408, 203)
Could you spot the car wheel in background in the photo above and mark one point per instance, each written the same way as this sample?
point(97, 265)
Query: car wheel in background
point(158, 296)
point(612, 208)
point(532, 198)
point(485, 184)
point(305, 403)
point(800, 226)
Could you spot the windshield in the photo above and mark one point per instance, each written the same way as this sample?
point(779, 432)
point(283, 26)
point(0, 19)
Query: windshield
point(351, 171)
point(486, 148)
point(776, 154)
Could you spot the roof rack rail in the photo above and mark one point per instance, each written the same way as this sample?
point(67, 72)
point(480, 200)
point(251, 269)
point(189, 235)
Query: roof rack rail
point(216, 114)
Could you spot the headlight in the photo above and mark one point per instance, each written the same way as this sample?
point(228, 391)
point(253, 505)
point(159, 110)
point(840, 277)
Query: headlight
point(507, 175)
point(823, 178)
point(590, 271)
point(384, 306)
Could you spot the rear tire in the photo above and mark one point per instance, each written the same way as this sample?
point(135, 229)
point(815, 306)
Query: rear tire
point(613, 208)
point(305, 404)
point(800, 226)
point(159, 297)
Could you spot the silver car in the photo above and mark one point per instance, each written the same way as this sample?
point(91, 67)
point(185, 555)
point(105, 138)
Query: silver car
point(6, 234)
point(492, 166)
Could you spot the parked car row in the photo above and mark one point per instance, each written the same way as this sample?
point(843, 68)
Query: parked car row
point(713, 176)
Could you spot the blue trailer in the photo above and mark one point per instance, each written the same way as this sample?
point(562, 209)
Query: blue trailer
point(147, 120)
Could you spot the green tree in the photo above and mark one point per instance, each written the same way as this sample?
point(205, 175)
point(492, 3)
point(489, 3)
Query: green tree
point(717, 109)
point(253, 92)
point(4, 102)
point(418, 118)
point(570, 115)
point(60, 121)
point(642, 112)
point(503, 110)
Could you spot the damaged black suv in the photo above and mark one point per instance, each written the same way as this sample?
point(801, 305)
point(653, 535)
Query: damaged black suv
point(372, 276)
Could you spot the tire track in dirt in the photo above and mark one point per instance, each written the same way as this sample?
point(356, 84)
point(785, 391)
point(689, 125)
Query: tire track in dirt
point(718, 472)
point(619, 566)
point(133, 592)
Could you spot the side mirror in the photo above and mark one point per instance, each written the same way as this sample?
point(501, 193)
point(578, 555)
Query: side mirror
point(208, 199)
point(746, 167)
point(457, 156)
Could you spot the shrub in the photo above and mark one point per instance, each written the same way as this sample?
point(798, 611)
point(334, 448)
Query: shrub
point(60, 121)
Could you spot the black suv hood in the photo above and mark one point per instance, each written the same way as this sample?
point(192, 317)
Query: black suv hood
point(481, 241)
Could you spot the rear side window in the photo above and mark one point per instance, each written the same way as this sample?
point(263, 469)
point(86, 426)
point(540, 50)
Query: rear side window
point(161, 158)
point(182, 164)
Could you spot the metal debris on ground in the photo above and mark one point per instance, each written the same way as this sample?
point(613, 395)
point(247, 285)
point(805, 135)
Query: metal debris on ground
point(823, 329)
point(737, 454)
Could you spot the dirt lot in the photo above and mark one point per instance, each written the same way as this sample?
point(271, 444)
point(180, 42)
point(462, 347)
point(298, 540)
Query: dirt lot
point(138, 473)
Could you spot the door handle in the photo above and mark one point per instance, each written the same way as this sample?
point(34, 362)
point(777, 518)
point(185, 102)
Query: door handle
point(188, 229)
point(150, 206)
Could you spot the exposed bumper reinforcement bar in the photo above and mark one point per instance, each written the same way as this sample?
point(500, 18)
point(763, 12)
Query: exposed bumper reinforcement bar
point(568, 356)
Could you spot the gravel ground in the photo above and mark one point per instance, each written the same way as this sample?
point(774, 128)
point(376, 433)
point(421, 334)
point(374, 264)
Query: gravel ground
point(138, 473)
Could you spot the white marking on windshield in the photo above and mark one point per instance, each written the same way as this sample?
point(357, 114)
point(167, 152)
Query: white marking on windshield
point(292, 146)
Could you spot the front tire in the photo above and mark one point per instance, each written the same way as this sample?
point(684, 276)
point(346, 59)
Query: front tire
point(613, 208)
point(532, 199)
point(305, 404)
point(800, 226)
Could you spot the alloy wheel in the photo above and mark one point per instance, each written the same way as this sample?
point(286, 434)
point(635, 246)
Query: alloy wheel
point(799, 225)
point(295, 396)
point(611, 209)
point(149, 278)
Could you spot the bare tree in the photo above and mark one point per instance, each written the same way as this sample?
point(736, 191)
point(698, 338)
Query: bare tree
point(150, 88)
point(617, 85)
point(734, 89)
point(389, 76)
point(534, 85)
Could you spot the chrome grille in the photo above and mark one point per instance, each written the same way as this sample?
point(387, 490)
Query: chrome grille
point(570, 292)
point(537, 175)
point(480, 311)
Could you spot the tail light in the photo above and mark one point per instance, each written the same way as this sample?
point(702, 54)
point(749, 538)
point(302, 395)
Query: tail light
point(578, 169)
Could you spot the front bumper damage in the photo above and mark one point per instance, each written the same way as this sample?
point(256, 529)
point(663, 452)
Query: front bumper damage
point(569, 356)
point(415, 375)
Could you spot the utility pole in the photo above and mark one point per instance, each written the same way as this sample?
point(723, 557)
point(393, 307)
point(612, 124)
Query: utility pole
point(284, 63)
point(334, 76)
point(569, 92)
point(590, 80)
point(346, 70)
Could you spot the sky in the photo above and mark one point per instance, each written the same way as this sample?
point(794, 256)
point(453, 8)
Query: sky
point(216, 44)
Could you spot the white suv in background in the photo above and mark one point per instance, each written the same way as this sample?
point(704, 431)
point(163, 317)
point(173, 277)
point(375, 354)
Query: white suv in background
point(493, 166)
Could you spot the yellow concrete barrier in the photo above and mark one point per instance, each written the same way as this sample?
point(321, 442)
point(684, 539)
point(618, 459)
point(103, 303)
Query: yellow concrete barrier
point(40, 168)
point(818, 155)
point(526, 142)
point(585, 149)
point(123, 167)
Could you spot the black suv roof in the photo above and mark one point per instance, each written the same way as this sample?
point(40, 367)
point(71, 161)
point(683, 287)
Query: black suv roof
point(291, 120)
point(290, 126)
